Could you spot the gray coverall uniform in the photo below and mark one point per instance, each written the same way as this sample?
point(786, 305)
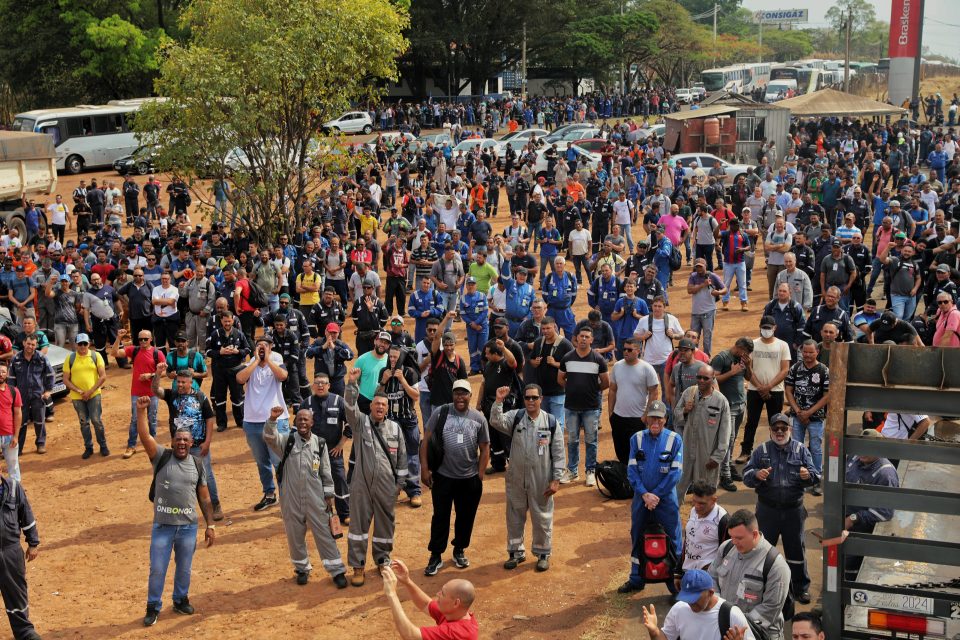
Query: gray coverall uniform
point(307, 481)
point(375, 479)
point(536, 458)
point(706, 436)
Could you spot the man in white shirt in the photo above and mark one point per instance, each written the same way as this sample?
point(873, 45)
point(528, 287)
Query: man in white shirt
point(166, 320)
point(700, 614)
point(623, 216)
point(905, 426)
point(658, 331)
point(705, 530)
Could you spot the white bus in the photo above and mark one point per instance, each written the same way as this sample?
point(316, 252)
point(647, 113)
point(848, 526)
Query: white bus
point(738, 78)
point(86, 135)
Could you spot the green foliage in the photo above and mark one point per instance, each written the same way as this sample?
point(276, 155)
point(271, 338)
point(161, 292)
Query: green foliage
point(787, 45)
point(248, 93)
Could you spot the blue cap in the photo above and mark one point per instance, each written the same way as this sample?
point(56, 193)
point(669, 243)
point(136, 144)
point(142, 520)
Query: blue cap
point(64, 276)
point(83, 246)
point(81, 338)
point(693, 584)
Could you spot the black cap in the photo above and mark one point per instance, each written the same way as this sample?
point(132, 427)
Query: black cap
point(767, 321)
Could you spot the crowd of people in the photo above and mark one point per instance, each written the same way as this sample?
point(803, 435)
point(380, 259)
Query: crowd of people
point(411, 240)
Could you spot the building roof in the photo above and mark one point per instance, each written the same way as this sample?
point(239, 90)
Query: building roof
point(829, 102)
point(735, 99)
point(703, 112)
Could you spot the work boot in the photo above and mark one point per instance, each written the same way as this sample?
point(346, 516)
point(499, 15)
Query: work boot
point(434, 564)
point(515, 559)
point(416, 502)
point(340, 580)
point(303, 577)
point(129, 453)
point(735, 475)
point(104, 451)
point(358, 577)
point(87, 453)
point(543, 563)
point(727, 484)
point(744, 307)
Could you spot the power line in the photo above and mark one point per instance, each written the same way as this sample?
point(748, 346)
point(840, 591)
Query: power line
point(938, 22)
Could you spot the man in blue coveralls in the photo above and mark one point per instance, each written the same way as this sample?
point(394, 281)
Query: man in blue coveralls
point(425, 303)
point(559, 292)
point(520, 297)
point(474, 311)
point(656, 460)
point(604, 293)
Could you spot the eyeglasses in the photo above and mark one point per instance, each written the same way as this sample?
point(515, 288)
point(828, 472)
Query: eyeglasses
point(322, 384)
point(628, 350)
point(531, 398)
point(704, 378)
point(943, 302)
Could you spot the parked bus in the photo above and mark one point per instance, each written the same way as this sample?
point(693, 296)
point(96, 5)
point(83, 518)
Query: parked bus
point(739, 78)
point(86, 135)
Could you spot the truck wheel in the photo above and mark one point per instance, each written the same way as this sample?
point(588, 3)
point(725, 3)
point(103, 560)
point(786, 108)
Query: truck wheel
point(15, 220)
point(74, 164)
point(367, 129)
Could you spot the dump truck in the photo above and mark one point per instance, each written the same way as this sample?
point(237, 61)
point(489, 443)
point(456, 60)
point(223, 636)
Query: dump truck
point(28, 170)
point(908, 584)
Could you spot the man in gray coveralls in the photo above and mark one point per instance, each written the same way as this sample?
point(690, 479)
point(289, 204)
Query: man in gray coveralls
point(306, 494)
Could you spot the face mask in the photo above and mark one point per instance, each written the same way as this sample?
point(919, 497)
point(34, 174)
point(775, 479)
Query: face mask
point(766, 333)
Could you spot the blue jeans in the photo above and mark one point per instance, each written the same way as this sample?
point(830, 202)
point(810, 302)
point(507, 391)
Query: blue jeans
point(273, 303)
point(182, 540)
point(875, 268)
point(450, 302)
point(590, 421)
point(11, 455)
point(151, 418)
point(628, 233)
point(903, 306)
point(265, 459)
point(425, 406)
point(703, 323)
point(554, 406)
point(208, 471)
point(815, 428)
point(90, 411)
point(736, 270)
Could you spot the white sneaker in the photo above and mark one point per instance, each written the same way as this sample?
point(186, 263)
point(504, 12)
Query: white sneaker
point(591, 479)
point(568, 477)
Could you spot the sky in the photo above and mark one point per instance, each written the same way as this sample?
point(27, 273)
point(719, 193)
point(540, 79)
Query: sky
point(941, 24)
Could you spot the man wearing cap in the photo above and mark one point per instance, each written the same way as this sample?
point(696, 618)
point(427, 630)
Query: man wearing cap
point(201, 296)
point(697, 612)
point(457, 481)
point(939, 283)
point(473, 311)
point(424, 303)
point(184, 357)
point(780, 470)
point(653, 469)
point(84, 373)
point(396, 262)
point(65, 319)
point(904, 276)
point(328, 310)
point(370, 315)
point(370, 364)
point(263, 376)
point(705, 414)
point(838, 270)
point(520, 296)
point(888, 328)
point(706, 288)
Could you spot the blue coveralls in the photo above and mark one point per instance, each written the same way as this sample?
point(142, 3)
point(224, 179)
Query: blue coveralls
point(474, 308)
point(655, 466)
point(780, 510)
point(559, 292)
point(604, 294)
point(519, 299)
point(420, 302)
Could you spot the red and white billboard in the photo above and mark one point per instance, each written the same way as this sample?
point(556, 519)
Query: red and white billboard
point(906, 21)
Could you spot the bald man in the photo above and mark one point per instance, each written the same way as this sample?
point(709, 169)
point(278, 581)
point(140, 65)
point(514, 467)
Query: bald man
point(450, 609)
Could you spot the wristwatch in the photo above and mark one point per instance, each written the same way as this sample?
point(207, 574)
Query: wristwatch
point(853, 517)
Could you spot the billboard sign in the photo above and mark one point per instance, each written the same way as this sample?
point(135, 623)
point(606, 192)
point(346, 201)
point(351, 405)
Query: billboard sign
point(781, 16)
point(906, 30)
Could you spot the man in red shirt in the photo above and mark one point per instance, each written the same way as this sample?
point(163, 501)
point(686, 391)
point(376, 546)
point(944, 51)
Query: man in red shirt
point(11, 407)
point(144, 370)
point(249, 316)
point(396, 262)
point(450, 609)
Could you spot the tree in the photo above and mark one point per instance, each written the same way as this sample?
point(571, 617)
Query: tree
point(787, 45)
point(248, 94)
point(863, 15)
point(696, 7)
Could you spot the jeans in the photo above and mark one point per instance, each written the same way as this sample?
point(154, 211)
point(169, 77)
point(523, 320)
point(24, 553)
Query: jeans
point(875, 268)
point(703, 323)
point(208, 471)
point(90, 411)
point(628, 234)
point(273, 303)
point(706, 252)
point(815, 428)
point(903, 306)
point(450, 302)
point(151, 418)
point(425, 409)
point(736, 270)
point(180, 539)
point(11, 455)
point(554, 406)
point(265, 459)
point(581, 260)
point(590, 421)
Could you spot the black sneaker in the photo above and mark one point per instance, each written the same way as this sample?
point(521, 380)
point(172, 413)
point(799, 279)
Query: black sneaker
point(803, 597)
point(817, 491)
point(340, 580)
point(515, 560)
point(183, 607)
point(629, 587)
point(433, 565)
point(104, 451)
point(151, 618)
point(303, 577)
point(266, 501)
point(87, 453)
point(727, 484)
point(460, 560)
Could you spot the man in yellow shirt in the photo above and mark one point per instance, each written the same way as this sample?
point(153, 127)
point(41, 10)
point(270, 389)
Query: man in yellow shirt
point(308, 286)
point(84, 373)
point(367, 222)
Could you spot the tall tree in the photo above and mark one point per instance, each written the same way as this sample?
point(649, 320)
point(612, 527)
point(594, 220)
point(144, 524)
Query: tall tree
point(248, 93)
point(863, 14)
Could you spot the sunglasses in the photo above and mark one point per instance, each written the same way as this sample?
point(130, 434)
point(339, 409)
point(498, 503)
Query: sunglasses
point(704, 378)
point(943, 302)
point(779, 429)
point(144, 339)
point(531, 398)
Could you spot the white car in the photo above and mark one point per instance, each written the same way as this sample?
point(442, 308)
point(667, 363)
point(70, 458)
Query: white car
point(639, 135)
point(471, 143)
point(705, 161)
point(685, 96)
point(350, 122)
point(518, 138)
point(540, 166)
point(699, 91)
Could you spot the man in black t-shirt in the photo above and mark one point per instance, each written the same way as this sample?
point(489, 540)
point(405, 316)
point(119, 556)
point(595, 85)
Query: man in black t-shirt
point(888, 327)
point(499, 370)
point(545, 358)
point(583, 372)
point(399, 382)
point(446, 367)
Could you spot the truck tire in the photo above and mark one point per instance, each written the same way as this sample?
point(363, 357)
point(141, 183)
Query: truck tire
point(73, 164)
point(15, 220)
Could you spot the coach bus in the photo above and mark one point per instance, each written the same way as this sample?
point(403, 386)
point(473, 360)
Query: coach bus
point(739, 78)
point(86, 135)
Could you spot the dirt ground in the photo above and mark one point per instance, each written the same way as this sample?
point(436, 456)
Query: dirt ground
point(94, 522)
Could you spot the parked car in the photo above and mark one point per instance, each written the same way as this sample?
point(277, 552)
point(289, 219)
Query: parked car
point(519, 138)
point(705, 161)
point(140, 162)
point(350, 122)
point(396, 138)
point(593, 145)
point(571, 132)
point(471, 143)
point(436, 139)
point(639, 135)
point(684, 96)
point(699, 90)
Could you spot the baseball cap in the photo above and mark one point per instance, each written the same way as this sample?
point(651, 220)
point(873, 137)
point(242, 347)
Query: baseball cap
point(384, 335)
point(83, 246)
point(941, 268)
point(500, 322)
point(657, 409)
point(211, 263)
point(471, 280)
point(779, 417)
point(693, 584)
point(462, 385)
point(82, 338)
point(285, 296)
point(180, 336)
point(64, 276)
point(888, 318)
point(767, 321)
point(837, 243)
point(265, 338)
point(900, 235)
point(686, 343)
point(20, 267)
point(333, 326)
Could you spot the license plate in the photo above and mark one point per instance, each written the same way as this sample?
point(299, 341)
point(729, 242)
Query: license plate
point(895, 601)
point(57, 388)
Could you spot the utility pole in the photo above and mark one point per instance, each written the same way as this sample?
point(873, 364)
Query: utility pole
point(846, 68)
point(623, 73)
point(760, 52)
point(716, 9)
point(523, 65)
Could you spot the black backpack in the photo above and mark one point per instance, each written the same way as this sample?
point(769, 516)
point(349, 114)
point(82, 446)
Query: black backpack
point(257, 297)
point(676, 260)
point(435, 450)
point(164, 459)
point(612, 480)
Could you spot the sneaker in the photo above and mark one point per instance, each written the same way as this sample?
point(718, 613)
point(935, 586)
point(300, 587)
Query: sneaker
point(129, 453)
point(303, 577)
point(104, 451)
point(151, 618)
point(629, 587)
point(817, 491)
point(492, 470)
point(266, 501)
point(460, 560)
point(726, 306)
point(735, 475)
point(543, 563)
point(727, 484)
point(803, 597)
point(744, 458)
point(515, 559)
point(358, 578)
point(591, 479)
point(340, 580)
point(87, 453)
point(433, 565)
point(183, 607)
point(217, 512)
point(416, 502)
point(41, 449)
point(568, 477)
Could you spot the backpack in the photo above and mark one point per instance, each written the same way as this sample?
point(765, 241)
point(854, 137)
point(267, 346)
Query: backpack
point(723, 618)
point(676, 260)
point(191, 359)
point(164, 459)
point(612, 480)
point(551, 421)
point(257, 297)
point(788, 608)
point(435, 450)
point(136, 350)
point(286, 454)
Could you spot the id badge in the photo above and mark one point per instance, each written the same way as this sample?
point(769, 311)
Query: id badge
point(316, 465)
point(459, 438)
